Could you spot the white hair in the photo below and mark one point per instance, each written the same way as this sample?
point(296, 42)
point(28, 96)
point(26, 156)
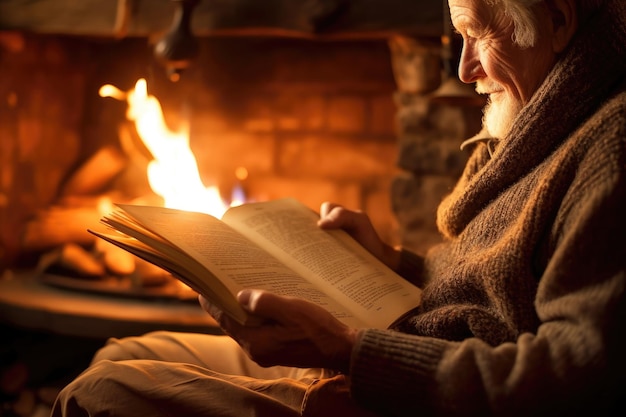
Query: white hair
point(523, 16)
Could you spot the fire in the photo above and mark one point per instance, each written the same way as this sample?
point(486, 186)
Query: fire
point(173, 173)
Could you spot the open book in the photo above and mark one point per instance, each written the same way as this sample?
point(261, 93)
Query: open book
point(274, 245)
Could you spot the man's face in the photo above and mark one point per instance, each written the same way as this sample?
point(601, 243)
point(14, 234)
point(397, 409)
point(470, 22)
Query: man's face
point(500, 68)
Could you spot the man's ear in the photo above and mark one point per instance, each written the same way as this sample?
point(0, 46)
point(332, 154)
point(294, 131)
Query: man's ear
point(564, 15)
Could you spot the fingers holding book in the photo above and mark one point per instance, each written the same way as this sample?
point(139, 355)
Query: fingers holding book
point(293, 332)
point(359, 226)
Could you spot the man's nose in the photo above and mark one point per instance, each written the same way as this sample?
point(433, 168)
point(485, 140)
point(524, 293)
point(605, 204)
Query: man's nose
point(470, 68)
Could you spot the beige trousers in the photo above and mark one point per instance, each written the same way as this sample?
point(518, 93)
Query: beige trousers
point(184, 374)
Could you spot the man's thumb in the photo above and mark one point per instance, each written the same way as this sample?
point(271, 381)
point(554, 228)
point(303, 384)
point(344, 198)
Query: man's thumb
point(249, 299)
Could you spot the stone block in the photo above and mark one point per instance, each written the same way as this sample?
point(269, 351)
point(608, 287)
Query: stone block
point(415, 201)
point(416, 64)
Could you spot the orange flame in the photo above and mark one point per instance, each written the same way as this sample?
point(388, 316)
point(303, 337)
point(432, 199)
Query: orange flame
point(173, 173)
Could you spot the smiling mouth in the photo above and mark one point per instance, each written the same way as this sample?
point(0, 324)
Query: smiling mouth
point(488, 88)
point(489, 92)
point(494, 95)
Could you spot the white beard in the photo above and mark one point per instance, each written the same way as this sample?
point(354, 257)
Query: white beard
point(499, 115)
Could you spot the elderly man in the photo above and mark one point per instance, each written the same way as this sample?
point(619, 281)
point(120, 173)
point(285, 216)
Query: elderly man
point(523, 304)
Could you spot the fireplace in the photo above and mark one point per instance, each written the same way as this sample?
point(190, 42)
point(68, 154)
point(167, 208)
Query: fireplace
point(323, 113)
point(313, 99)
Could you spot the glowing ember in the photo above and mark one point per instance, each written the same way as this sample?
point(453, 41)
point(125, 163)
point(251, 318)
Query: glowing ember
point(173, 173)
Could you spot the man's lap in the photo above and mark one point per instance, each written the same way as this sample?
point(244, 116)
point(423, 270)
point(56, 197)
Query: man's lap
point(165, 373)
point(217, 353)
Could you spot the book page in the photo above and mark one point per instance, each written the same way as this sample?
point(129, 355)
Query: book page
point(238, 262)
point(341, 266)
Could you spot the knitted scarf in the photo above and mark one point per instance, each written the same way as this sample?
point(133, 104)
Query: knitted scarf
point(499, 220)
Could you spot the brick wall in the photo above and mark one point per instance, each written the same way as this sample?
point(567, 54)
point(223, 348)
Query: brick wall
point(310, 119)
point(351, 121)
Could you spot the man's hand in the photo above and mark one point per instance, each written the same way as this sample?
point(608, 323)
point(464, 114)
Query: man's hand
point(294, 332)
point(359, 226)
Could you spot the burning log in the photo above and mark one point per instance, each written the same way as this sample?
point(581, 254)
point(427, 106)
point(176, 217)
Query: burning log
point(103, 260)
point(59, 225)
point(115, 260)
point(75, 258)
point(78, 207)
point(60, 231)
point(95, 174)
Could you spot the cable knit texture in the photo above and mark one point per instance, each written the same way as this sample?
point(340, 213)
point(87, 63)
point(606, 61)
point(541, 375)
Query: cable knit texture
point(524, 303)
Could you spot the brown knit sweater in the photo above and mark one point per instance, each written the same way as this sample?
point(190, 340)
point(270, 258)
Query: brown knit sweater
point(523, 304)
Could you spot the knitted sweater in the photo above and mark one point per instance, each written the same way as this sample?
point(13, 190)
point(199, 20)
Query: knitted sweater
point(523, 304)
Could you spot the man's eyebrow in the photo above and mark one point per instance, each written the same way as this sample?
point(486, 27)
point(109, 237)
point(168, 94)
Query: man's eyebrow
point(461, 26)
point(465, 24)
